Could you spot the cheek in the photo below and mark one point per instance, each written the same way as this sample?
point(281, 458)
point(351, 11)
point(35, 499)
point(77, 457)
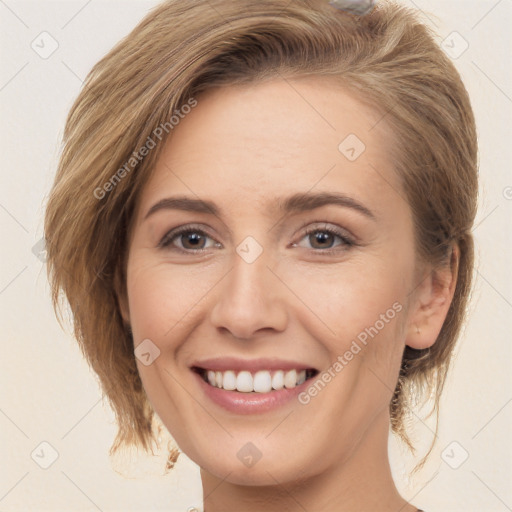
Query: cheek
point(351, 296)
point(362, 303)
point(162, 295)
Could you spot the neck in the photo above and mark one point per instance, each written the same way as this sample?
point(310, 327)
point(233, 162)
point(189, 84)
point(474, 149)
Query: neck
point(361, 482)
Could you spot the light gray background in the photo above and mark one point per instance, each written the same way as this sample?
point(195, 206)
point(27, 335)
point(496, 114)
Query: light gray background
point(48, 394)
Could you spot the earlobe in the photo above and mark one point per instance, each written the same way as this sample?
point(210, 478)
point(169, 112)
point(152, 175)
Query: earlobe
point(433, 299)
point(122, 299)
point(123, 308)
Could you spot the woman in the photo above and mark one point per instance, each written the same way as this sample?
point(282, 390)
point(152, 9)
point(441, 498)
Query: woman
point(273, 203)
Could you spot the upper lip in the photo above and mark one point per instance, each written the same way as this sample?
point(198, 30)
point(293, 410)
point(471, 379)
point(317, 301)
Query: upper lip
point(223, 364)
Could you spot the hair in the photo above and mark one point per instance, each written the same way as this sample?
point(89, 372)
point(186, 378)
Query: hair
point(387, 58)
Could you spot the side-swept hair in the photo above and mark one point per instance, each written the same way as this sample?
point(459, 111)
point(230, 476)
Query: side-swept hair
point(388, 58)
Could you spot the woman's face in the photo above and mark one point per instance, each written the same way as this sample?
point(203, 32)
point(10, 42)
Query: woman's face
point(271, 275)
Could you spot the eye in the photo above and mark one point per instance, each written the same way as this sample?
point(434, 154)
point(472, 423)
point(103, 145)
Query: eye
point(322, 239)
point(192, 239)
point(189, 238)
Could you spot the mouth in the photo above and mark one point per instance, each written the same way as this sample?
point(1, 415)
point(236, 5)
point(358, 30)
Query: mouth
point(261, 381)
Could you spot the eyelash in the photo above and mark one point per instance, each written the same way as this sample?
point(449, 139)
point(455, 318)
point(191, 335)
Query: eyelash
point(347, 242)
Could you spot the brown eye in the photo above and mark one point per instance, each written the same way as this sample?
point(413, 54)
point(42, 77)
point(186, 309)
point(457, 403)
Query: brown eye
point(191, 240)
point(323, 239)
point(188, 239)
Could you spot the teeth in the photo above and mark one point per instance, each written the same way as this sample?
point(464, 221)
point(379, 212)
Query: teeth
point(290, 379)
point(278, 380)
point(262, 381)
point(229, 381)
point(243, 382)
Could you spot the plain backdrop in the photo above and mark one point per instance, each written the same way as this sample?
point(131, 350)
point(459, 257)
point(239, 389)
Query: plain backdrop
point(55, 431)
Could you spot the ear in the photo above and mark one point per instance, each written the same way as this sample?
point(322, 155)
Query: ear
point(432, 299)
point(122, 298)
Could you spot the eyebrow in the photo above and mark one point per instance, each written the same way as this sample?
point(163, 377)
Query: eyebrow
point(299, 202)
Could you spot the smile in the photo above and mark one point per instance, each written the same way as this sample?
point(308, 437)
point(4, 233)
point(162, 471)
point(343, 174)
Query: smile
point(262, 381)
point(252, 386)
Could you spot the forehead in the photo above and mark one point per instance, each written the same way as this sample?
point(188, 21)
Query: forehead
point(270, 139)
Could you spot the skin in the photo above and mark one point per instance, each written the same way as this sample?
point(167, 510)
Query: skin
point(242, 147)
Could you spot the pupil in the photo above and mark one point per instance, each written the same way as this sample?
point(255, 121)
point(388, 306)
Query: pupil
point(321, 237)
point(194, 238)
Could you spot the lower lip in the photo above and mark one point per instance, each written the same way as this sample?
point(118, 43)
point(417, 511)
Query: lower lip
point(250, 403)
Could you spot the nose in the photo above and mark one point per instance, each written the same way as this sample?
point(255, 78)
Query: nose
point(251, 298)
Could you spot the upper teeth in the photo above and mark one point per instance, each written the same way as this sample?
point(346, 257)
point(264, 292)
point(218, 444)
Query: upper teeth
point(262, 381)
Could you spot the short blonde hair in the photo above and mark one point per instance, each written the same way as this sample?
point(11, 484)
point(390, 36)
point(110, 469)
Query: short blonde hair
point(388, 58)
